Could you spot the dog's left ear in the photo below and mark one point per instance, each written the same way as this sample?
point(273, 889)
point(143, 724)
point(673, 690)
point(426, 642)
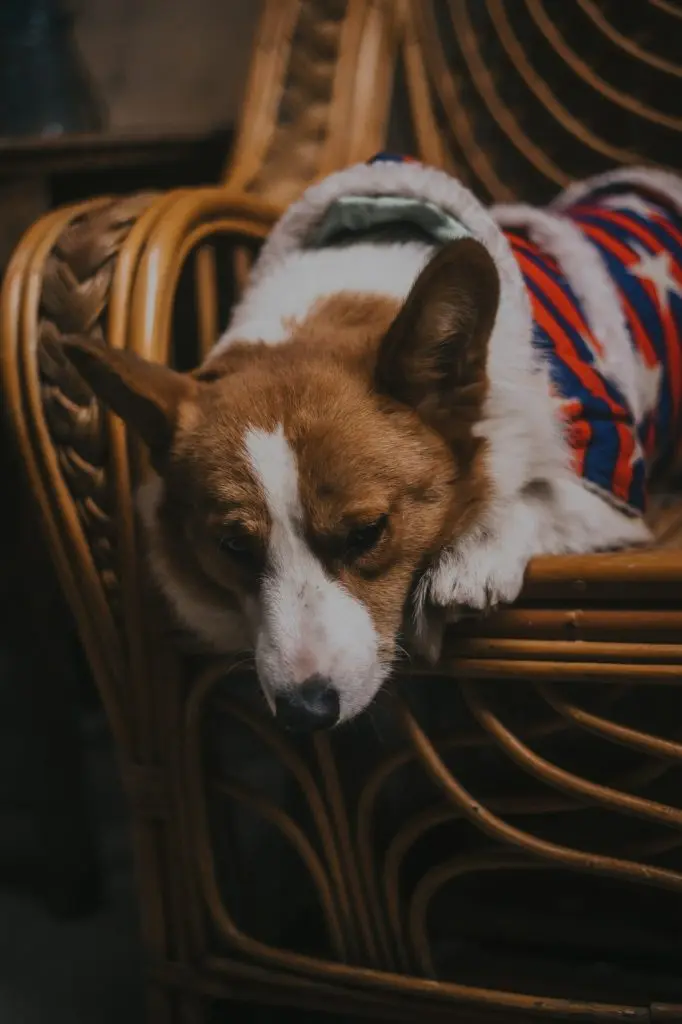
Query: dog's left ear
point(147, 396)
point(433, 357)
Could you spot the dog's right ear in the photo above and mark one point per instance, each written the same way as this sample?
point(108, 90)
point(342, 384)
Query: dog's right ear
point(434, 356)
point(147, 396)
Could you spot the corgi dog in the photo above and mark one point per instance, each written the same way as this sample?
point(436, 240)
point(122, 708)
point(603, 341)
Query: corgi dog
point(413, 398)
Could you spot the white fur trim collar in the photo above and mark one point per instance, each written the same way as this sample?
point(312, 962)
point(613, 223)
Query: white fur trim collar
point(410, 180)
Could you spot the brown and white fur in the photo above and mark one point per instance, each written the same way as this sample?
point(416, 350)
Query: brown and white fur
point(372, 446)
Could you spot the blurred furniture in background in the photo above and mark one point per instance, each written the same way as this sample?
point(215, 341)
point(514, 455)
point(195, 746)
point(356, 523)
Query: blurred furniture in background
point(500, 839)
point(37, 174)
point(44, 86)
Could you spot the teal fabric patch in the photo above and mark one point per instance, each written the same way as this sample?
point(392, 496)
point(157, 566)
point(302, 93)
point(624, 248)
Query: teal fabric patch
point(372, 215)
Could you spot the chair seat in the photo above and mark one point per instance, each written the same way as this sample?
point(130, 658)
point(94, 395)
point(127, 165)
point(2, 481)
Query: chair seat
point(610, 615)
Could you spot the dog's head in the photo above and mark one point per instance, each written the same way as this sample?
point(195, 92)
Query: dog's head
point(301, 488)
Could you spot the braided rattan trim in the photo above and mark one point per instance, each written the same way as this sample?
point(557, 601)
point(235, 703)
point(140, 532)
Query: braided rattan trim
point(76, 286)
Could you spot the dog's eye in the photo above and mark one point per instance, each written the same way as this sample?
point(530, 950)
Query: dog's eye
point(361, 539)
point(237, 545)
point(241, 548)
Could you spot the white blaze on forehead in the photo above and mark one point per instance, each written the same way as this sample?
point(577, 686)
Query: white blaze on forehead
point(309, 624)
point(274, 465)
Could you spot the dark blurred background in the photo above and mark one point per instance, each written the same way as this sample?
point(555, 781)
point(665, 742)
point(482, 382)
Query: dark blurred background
point(96, 97)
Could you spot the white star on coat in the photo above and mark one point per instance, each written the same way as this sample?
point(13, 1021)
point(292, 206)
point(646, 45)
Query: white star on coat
point(637, 454)
point(648, 382)
point(656, 268)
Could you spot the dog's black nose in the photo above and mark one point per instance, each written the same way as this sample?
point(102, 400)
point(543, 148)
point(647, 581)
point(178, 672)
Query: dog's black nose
point(311, 706)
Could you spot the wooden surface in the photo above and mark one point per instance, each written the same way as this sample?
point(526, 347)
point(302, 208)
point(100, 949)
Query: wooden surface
point(38, 173)
point(106, 151)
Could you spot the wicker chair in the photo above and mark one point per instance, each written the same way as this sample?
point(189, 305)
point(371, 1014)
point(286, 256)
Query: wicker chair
point(501, 838)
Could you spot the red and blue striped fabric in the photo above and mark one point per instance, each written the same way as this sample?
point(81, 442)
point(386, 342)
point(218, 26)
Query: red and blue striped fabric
point(386, 157)
point(639, 238)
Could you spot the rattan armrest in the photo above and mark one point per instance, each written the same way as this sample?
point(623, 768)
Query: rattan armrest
point(105, 269)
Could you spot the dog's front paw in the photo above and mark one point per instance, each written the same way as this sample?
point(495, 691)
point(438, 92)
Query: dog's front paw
point(461, 583)
point(480, 579)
